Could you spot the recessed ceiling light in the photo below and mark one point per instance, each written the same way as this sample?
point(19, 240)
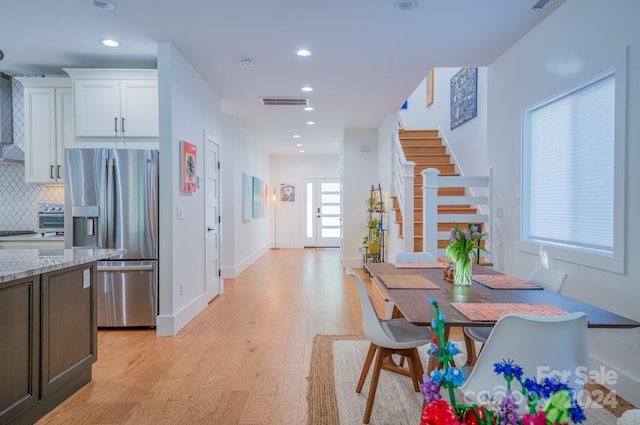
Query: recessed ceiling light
point(405, 4)
point(296, 136)
point(307, 88)
point(110, 43)
point(301, 151)
point(309, 108)
point(103, 4)
point(247, 61)
point(311, 122)
point(303, 52)
point(298, 144)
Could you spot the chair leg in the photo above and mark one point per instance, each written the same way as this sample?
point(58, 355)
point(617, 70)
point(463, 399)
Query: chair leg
point(365, 368)
point(471, 350)
point(415, 366)
point(382, 353)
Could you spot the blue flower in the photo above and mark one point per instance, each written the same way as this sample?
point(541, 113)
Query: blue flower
point(434, 324)
point(442, 317)
point(433, 350)
point(455, 376)
point(432, 301)
point(508, 369)
point(437, 376)
point(577, 415)
point(452, 348)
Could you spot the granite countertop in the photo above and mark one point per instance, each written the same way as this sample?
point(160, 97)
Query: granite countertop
point(36, 237)
point(19, 263)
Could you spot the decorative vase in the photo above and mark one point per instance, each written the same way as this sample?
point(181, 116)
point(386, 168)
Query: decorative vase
point(374, 247)
point(462, 274)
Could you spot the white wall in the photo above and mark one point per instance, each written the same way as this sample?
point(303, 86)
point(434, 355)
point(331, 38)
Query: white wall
point(250, 238)
point(188, 109)
point(294, 169)
point(469, 140)
point(359, 172)
point(565, 50)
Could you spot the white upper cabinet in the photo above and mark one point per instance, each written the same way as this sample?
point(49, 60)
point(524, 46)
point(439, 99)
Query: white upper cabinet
point(115, 103)
point(48, 121)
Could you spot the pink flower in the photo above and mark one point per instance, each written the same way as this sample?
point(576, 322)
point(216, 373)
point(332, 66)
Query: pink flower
point(539, 419)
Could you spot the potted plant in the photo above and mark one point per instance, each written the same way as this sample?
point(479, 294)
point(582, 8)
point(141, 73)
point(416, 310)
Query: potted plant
point(374, 231)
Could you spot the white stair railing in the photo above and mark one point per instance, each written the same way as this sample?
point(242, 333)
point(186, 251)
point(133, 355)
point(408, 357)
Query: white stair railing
point(403, 181)
point(432, 181)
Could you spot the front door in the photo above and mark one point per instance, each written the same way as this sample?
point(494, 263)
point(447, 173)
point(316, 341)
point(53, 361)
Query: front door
point(323, 218)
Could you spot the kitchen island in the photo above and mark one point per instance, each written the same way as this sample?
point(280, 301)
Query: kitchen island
point(48, 330)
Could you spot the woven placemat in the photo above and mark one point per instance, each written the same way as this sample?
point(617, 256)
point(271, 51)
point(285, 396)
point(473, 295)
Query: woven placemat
point(418, 265)
point(500, 281)
point(407, 281)
point(491, 312)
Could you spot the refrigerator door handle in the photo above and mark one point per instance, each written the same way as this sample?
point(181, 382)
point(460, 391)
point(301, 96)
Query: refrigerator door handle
point(144, 267)
point(110, 227)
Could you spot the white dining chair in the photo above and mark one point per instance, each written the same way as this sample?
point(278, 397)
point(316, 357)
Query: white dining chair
point(549, 279)
point(540, 345)
point(388, 337)
point(415, 257)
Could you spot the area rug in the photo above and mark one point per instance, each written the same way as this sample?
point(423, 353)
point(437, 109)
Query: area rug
point(336, 362)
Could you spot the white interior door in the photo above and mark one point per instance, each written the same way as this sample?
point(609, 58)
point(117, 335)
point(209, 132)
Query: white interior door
point(213, 283)
point(323, 215)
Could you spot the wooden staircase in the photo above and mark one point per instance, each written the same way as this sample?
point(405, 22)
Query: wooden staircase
point(425, 148)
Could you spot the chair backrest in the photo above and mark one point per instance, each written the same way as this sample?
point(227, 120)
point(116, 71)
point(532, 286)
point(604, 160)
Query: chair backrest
point(371, 324)
point(548, 279)
point(415, 257)
point(540, 345)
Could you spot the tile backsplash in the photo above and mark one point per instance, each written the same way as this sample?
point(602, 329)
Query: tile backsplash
point(19, 200)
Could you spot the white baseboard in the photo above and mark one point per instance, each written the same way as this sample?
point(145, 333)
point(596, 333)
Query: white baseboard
point(170, 325)
point(625, 385)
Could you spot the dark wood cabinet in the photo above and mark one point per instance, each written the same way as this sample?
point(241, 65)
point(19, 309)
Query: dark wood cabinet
point(48, 333)
point(69, 344)
point(19, 346)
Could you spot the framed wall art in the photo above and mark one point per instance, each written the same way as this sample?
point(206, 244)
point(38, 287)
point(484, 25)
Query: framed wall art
point(247, 195)
point(464, 96)
point(429, 84)
point(187, 166)
point(287, 192)
point(257, 197)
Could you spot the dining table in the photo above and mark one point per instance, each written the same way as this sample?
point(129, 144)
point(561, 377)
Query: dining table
point(491, 295)
point(481, 303)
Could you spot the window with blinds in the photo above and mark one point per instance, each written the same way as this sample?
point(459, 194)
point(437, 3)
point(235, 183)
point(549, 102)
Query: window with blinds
point(569, 167)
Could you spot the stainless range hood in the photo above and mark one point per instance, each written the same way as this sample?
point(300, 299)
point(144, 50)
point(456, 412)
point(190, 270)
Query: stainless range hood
point(8, 151)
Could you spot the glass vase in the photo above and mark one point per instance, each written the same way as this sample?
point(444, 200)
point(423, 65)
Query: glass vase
point(462, 274)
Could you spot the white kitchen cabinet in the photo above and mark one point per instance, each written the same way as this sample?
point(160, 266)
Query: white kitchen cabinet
point(48, 121)
point(115, 103)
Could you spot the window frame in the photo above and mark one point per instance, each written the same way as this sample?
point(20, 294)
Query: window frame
point(615, 261)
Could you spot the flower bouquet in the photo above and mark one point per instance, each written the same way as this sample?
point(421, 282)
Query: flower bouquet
point(549, 401)
point(462, 247)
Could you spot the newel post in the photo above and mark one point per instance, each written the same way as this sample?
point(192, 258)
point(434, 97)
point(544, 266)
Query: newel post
point(408, 219)
point(430, 210)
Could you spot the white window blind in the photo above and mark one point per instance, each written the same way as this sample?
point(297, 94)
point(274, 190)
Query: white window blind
point(569, 197)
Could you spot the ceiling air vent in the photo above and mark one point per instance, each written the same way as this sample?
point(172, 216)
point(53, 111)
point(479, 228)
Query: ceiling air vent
point(285, 101)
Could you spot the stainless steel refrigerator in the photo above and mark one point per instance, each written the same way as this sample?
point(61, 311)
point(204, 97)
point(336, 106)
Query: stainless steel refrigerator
point(111, 201)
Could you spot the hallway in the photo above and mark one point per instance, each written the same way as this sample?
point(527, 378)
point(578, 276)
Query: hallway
point(243, 360)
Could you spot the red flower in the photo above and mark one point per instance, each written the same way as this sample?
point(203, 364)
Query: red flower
point(439, 412)
point(470, 417)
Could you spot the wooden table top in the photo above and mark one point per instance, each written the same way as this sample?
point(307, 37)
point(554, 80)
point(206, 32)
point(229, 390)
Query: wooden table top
point(413, 304)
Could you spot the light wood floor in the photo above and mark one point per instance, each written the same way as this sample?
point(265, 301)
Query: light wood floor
point(243, 360)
